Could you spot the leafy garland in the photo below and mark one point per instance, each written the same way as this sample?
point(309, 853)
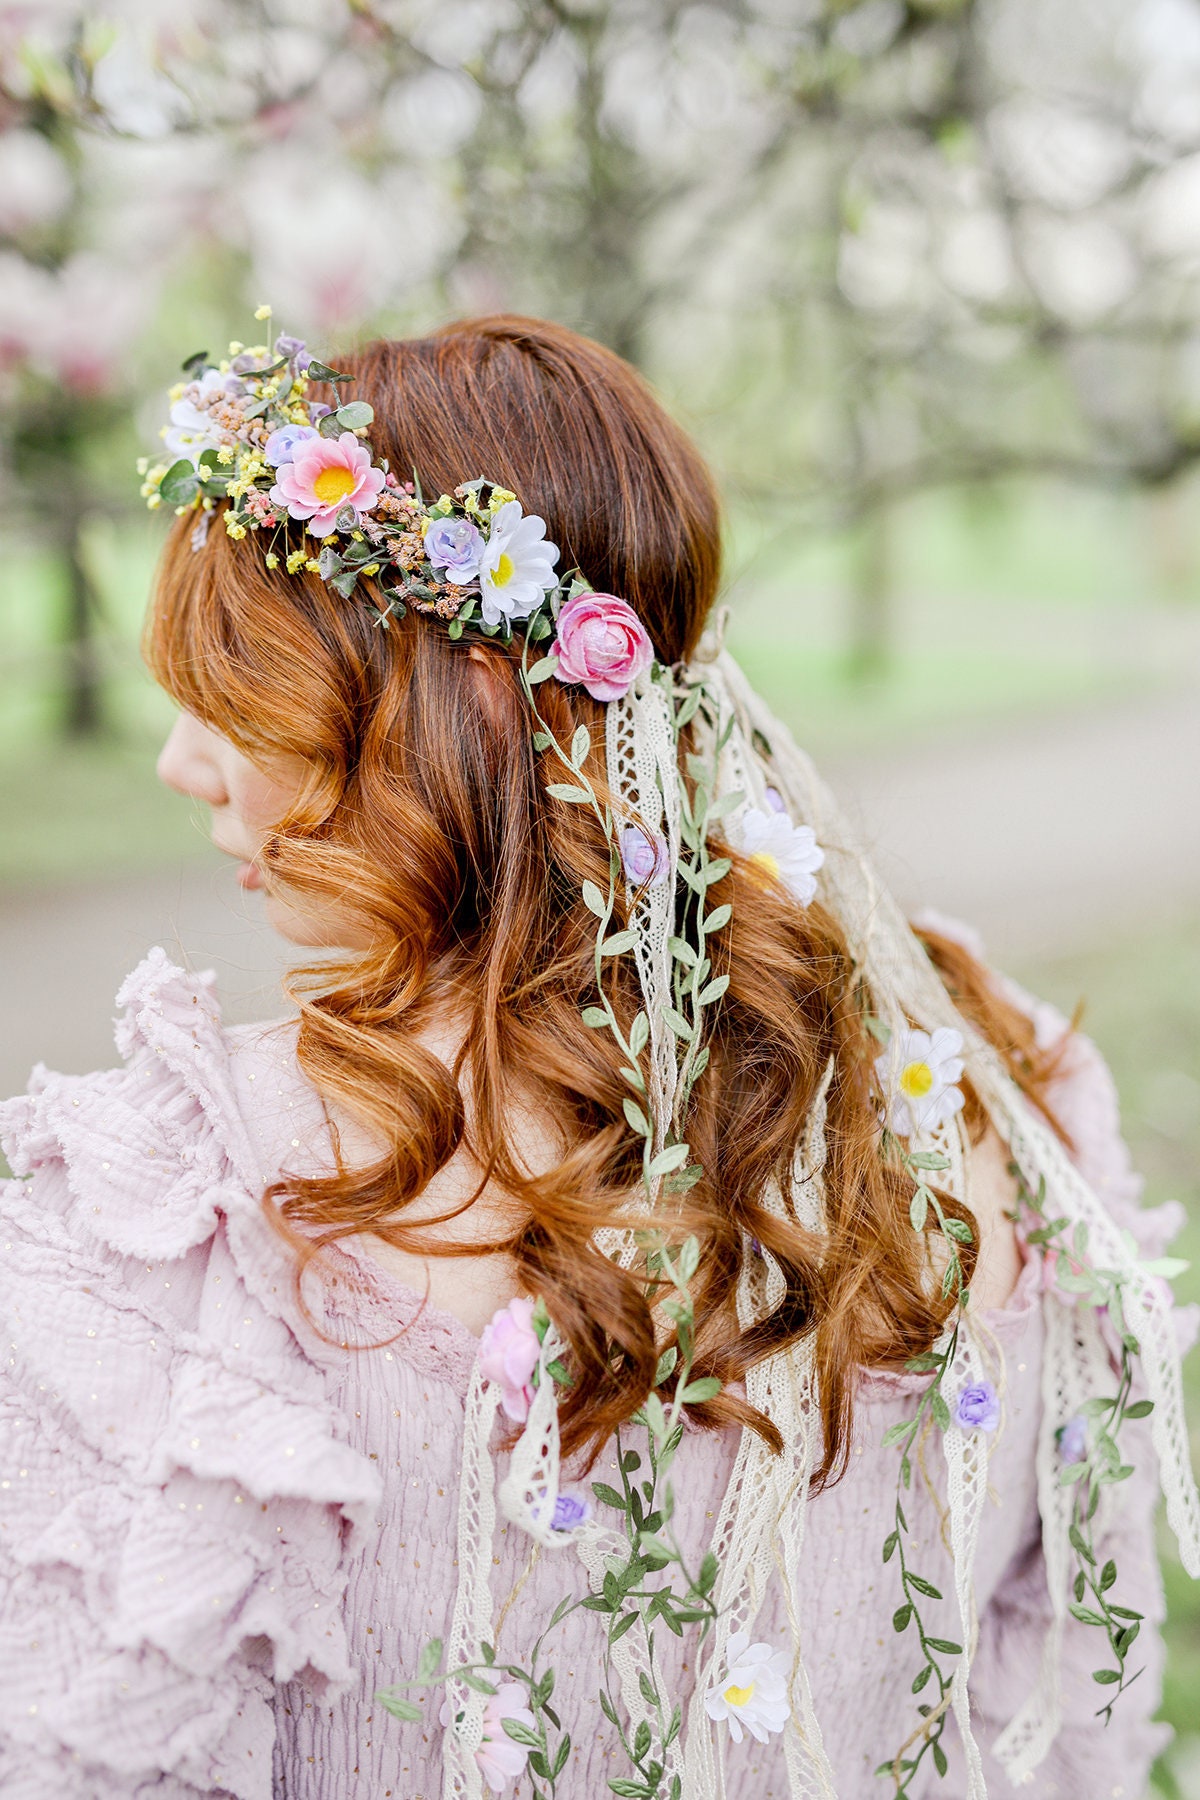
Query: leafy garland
point(644, 1502)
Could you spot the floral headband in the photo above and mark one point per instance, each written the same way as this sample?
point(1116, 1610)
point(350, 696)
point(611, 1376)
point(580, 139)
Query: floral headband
point(243, 431)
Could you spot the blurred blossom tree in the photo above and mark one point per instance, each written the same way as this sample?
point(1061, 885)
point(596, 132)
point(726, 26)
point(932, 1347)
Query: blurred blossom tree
point(878, 246)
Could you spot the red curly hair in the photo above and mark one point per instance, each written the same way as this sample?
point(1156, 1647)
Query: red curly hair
point(426, 810)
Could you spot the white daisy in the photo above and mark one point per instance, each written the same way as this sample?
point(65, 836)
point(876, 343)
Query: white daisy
point(754, 1691)
point(192, 428)
point(917, 1075)
point(517, 565)
point(786, 852)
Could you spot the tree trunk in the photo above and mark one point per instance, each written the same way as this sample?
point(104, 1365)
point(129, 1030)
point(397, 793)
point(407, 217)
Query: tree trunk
point(871, 647)
point(81, 694)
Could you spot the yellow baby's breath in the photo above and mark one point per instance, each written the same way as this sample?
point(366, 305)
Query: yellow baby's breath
point(295, 561)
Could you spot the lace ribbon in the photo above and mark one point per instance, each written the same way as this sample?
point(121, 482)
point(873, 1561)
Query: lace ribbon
point(760, 1529)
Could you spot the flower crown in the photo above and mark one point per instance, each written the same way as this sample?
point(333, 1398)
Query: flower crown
point(243, 431)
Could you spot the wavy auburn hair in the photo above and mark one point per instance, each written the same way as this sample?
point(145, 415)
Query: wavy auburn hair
point(425, 812)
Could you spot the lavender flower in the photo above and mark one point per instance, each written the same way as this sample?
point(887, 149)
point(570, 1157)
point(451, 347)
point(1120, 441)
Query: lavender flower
point(454, 546)
point(570, 1510)
point(294, 349)
point(281, 445)
point(1073, 1440)
point(644, 857)
point(977, 1407)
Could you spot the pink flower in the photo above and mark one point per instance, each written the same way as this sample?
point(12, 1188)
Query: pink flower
point(499, 1758)
point(508, 1353)
point(325, 475)
point(601, 644)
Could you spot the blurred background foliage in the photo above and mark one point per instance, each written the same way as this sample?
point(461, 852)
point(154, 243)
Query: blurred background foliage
point(921, 275)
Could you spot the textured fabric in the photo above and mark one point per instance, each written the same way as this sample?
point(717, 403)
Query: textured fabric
point(223, 1524)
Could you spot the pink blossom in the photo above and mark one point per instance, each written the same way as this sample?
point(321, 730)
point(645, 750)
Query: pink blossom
point(508, 1353)
point(499, 1758)
point(601, 644)
point(324, 476)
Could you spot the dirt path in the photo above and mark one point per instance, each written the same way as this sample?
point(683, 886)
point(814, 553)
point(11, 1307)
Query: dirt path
point(1051, 839)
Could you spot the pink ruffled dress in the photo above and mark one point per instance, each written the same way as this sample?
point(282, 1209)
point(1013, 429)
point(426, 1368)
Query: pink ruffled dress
point(222, 1530)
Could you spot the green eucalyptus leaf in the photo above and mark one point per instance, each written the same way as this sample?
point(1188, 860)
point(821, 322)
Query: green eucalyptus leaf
point(1140, 1409)
point(719, 916)
point(594, 900)
point(399, 1707)
point(1106, 1676)
point(678, 1024)
point(354, 415)
point(697, 1392)
point(618, 943)
point(639, 1034)
point(564, 790)
point(594, 1017)
point(472, 1680)
point(945, 1646)
point(921, 1677)
point(668, 1160)
point(581, 744)
point(636, 1117)
point(181, 483)
point(1084, 1614)
point(623, 1624)
point(900, 1618)
point(682, 951)
point(666, 1364)
point(1108, 1575)
point(541, 670)
point(713, 991)
point(609, 1495)
point(894, 1433)
point(918, 1208)
point(521, 1734)
point(924, 1587)
point(319, 371)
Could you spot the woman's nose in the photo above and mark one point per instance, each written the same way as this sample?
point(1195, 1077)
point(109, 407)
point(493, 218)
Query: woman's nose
point(186, 763)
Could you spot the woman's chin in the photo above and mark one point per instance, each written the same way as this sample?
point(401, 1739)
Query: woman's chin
point(308, 931)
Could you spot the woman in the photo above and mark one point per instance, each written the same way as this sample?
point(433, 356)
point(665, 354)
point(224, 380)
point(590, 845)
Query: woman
point(783, 1365)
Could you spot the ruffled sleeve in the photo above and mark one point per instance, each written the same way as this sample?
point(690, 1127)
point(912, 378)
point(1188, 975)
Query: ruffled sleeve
point(1085, 1757)
point(176, 1498)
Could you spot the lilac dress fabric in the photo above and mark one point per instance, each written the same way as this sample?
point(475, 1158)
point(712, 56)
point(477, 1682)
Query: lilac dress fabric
point(221, 1530)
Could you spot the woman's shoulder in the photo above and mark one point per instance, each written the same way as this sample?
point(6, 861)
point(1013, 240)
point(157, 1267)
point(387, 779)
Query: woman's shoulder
point(184, 1491)
point(1082, 1094)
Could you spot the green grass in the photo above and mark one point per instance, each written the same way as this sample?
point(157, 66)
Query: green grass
point(1141, 998)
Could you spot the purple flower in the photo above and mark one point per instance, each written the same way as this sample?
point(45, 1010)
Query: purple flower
point(281, 445)
point(319, 410)
point(570, 1510)
point(977, 1407)
point(293, 348)
point(644, 856)
point(1073, 1440)
point(774, 800)
point(454, 546)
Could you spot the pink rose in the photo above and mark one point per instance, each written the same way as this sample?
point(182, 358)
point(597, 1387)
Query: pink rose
point(324, 475)
point(602, 645)
point(499, 1758)
point(508, 1353)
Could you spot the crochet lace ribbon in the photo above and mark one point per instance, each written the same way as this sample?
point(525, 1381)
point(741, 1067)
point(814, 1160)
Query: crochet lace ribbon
point(760, 1529)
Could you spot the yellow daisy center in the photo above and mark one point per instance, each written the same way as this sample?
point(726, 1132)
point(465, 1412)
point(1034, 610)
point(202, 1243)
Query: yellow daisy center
point(332, 485)
point(737, 1696)
point(916, 1080)
point(502, 574)
point(766, 862)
